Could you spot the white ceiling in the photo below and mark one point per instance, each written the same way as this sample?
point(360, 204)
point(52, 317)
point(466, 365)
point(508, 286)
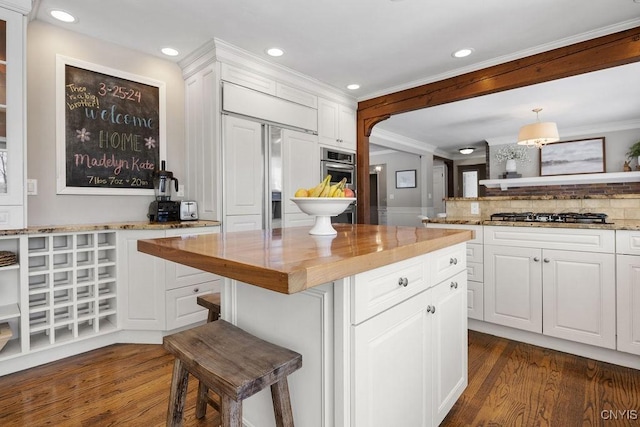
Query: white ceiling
point(387, 45)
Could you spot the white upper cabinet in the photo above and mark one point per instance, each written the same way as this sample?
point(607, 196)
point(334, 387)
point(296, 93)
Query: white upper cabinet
point(12, 121)
point(336, 125)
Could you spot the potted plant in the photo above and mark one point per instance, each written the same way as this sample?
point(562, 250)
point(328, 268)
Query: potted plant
point(634, 153)
point(511, 154)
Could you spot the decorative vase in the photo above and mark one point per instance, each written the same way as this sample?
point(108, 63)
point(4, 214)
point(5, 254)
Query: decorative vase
point(511, 165)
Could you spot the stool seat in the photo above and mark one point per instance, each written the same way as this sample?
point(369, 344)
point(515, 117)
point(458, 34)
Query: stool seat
point(212, 303)
point(232, 363)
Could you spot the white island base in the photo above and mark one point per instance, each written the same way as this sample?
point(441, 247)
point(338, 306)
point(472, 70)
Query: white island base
point(387, 347)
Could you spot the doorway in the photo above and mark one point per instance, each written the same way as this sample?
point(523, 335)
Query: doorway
point(469, 177)
point(373, 197)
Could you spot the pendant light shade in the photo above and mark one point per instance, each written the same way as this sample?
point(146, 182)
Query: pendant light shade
point(539, 133)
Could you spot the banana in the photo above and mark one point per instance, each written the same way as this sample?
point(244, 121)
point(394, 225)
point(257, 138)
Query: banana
point(336, 190)
point(318, 189)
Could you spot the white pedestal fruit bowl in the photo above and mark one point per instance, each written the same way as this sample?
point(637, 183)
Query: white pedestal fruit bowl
point(323, 208)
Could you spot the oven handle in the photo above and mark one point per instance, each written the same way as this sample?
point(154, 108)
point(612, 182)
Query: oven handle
point(339, 166)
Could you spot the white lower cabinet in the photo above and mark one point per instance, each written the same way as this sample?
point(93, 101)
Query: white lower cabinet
point(558, 282)
point(409, 361)
point(628, 291)
point(160, 295)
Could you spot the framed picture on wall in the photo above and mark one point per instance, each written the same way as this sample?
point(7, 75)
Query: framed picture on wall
point(573, 157)
point(406, 179)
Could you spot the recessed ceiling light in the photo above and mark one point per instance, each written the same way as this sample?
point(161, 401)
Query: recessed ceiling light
point(63, 16)
point(462, 52)
point(275, 51)
point(169, 51)
point(353, 86)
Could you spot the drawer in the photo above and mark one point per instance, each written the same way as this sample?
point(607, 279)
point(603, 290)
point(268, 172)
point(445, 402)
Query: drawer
point(447, 262)
point(182, 306)
point(569, 239)
point(628, 242)
point(475, 271)
point(474, 252)
point(475, 300)
point(379, 289)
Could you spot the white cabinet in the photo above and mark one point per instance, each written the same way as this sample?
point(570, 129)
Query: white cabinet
point(628, 291)
point(71, 287)
point(141, 277)
point(475, 268)
point(12, 120)
point(513, 287)
point(202, 142)
point(160, 295)
point(409, 342)
point(566, 292)
point(336, 125)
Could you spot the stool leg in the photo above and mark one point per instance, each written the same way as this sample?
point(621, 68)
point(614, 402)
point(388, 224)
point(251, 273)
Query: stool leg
point(230, 412)
point(282, 403)
point(201, 403)
point(178, 394)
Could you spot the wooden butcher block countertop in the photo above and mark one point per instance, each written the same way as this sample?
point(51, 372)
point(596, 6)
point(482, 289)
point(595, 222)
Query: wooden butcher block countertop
point(291, 260)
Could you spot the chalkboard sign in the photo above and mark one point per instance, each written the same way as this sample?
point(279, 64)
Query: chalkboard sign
point(110, 129)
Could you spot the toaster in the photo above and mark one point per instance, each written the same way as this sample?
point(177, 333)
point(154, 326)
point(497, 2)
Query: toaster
point(188, 210)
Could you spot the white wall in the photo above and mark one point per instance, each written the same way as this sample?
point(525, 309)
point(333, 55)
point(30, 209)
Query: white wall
point(44, 41)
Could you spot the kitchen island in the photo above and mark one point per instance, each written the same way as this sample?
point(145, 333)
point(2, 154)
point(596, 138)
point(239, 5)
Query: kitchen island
point(378, 313)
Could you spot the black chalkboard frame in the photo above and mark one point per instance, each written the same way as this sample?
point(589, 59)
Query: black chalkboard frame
point(117, 186)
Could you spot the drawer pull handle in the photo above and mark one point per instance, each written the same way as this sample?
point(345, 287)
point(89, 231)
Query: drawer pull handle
point(403, 281)
point(454, 285)
point(431, 309)
point(453, 261)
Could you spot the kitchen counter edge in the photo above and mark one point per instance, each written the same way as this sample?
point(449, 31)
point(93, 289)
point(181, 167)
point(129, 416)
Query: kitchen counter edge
point(633, 225)
point(133, 225)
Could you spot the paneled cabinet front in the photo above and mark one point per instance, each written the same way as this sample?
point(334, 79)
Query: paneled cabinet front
point(336, 125)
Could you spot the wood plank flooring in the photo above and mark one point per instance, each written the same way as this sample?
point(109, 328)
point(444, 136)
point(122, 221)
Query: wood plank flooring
point(510, 384)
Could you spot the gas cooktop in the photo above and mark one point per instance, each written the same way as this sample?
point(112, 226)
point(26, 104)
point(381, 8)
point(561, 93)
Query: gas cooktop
point(568, 217)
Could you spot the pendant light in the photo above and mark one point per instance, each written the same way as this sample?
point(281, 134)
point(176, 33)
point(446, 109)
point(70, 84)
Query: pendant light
point(539, 133)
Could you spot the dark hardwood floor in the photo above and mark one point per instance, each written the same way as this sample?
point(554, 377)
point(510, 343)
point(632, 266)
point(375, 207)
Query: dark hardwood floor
point(510, 384)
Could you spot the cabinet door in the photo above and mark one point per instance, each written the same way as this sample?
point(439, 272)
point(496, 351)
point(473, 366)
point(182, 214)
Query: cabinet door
point(182, 304)
point(180, 275)
point(579, 302)
point(513, 287)
point(347, 127)
point(12, 120)
point(449, 343)
point(141, 279)
point(628, 303)
point(300, 164)
point(392, 366)
point(328, 131)
point(244, 167)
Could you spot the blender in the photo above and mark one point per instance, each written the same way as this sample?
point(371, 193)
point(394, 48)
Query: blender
point(163, 209)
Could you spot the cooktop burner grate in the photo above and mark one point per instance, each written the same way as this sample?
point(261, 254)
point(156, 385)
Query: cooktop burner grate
point(568, 217)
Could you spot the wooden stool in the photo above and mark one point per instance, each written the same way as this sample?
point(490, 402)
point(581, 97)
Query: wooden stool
point(212, 303)
point(235, 365)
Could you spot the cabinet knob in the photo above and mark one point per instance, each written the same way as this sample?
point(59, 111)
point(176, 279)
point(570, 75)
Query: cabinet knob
point(454, 285)
point(453, 261)
point(547, 260)
point(196, 290)
point(536, 259)
point(403, 281)
point(431, 309)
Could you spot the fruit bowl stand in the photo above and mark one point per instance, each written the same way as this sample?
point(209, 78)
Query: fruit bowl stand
point(323, 208)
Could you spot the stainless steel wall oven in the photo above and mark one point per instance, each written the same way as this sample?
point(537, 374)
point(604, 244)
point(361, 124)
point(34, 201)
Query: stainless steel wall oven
point(340, 164)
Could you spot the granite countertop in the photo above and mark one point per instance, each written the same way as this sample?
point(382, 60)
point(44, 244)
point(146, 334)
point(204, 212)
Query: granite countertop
point(132, 225)
point(290, 260)
point(617, 225)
